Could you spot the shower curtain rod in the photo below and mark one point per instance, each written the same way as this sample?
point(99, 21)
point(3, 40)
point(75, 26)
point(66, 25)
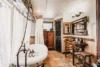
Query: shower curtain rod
point(11, 2)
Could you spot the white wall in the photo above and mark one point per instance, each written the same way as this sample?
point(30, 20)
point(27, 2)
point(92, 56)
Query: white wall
point(89, 9)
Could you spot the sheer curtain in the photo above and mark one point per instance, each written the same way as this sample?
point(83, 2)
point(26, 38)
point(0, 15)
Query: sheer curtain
point(17, 32)
point(9, 44)
point(39, 39)
point(19, 23)
point(5, 34)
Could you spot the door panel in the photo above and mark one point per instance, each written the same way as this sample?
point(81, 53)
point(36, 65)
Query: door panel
point(51, 39)
point(46, 38)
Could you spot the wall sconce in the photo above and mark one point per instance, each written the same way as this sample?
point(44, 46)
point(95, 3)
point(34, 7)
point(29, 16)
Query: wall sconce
point(77, 15)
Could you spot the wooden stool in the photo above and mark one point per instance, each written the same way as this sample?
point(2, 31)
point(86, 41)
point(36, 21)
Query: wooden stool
point(86, 56)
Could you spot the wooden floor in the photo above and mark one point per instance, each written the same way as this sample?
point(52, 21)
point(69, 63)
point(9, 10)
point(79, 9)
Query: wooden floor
point(56, 59)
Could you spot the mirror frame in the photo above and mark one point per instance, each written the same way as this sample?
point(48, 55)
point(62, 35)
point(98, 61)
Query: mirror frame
point(84, 21)
point(68, 26)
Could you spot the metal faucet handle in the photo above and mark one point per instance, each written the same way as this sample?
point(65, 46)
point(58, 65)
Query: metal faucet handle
point(31, 53)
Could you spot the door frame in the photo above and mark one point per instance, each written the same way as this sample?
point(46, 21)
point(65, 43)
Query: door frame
point(98, 27)
point(60, 19)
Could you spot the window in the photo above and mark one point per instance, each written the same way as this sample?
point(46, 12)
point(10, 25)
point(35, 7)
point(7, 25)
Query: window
point(48, 26)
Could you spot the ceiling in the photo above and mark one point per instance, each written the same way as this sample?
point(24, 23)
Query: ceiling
point(49, 8)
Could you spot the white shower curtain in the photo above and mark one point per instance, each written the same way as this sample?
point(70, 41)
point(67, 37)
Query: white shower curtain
point(39, 39)
point(9, 44)
point(5, 34)
point(17, 32)
point(19, 24)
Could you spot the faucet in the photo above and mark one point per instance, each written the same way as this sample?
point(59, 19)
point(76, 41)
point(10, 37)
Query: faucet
point(25, 52)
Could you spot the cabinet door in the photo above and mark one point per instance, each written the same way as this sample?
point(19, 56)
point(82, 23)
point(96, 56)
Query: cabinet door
point(51, 40)
point(46, 38)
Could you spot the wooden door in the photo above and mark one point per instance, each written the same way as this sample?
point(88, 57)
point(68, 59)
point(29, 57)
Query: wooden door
point(51, 40)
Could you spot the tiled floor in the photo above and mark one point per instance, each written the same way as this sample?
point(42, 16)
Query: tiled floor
point(56, 59)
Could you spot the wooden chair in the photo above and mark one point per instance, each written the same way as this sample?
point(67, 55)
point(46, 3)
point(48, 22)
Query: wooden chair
point(69, 46)
point(81, 55)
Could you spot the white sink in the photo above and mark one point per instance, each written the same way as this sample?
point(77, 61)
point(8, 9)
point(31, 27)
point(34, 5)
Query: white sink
point(40, 54)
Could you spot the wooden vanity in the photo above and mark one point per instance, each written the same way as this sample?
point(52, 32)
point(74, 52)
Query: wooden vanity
point(76, 40)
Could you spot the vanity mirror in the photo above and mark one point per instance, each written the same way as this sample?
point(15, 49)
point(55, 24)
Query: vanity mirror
point(79, 27)
point(67, 28)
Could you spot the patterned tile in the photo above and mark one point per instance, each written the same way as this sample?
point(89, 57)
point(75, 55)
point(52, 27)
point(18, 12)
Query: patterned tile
point(56, 59)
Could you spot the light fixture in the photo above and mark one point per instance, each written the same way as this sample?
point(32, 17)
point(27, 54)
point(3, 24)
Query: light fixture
point(78, 14)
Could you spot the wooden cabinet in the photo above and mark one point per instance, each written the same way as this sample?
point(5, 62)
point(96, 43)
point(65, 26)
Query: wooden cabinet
point(46, 38)
point(49, 39)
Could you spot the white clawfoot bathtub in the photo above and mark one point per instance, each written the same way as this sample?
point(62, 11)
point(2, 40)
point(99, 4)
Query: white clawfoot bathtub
point(40, 54)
